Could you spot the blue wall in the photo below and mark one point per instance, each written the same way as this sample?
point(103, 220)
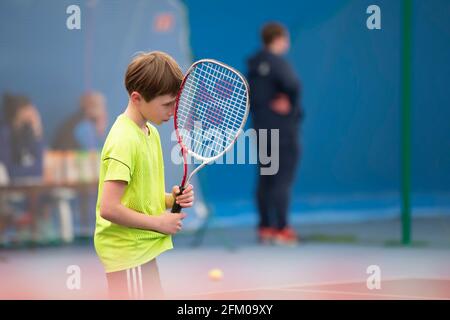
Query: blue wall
point(431, 107)
point(350, 75)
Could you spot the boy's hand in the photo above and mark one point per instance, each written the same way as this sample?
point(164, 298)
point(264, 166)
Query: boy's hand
point(186, 199)
point(170, 223)
point(281, 104)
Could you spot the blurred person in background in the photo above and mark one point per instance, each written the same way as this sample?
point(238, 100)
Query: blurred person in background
point(275, 104)
point(22, 148)
point(85, 129)
point(21, 139)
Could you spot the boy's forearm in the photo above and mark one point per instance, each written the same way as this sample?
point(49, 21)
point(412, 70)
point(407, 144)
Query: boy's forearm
point(127, 217)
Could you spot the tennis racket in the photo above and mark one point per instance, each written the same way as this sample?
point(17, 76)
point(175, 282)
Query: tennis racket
point(210, 112)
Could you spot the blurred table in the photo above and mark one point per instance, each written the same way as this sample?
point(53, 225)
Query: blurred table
point(61, 192)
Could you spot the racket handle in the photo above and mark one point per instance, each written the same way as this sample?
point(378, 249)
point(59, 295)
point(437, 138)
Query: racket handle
point(176, 208)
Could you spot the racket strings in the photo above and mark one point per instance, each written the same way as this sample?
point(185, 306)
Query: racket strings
point(211, 109)
point(232, 99)
point(208, 82)
point(213, 141)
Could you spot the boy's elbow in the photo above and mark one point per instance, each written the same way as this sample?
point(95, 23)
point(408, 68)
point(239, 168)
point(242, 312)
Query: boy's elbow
point(106, 212)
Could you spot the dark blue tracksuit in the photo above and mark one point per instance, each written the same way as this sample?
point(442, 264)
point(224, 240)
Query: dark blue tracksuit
point(268, 76)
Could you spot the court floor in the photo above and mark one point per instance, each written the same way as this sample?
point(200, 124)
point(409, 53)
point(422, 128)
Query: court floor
point(308, 271)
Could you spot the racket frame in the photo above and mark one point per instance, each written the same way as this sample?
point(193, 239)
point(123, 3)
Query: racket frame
point(184, 149)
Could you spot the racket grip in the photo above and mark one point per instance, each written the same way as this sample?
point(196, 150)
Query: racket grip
point(176, 208)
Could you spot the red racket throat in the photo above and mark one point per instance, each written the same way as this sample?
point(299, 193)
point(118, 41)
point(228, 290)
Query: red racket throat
point(179, 139)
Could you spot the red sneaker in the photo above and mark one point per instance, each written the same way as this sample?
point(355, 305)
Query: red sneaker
point(286, 236)
point(266, 235)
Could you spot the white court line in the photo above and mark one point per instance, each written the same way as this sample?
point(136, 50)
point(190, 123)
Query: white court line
point(373, 294)
point(353, 281)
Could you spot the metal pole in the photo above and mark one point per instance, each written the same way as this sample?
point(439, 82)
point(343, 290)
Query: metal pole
point(406, 57)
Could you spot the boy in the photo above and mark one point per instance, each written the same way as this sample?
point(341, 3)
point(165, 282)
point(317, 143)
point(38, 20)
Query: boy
point(134, 224)
point(275, 95)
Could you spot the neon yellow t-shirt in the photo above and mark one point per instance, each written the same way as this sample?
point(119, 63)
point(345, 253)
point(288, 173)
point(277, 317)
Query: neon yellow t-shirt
point(132, 156)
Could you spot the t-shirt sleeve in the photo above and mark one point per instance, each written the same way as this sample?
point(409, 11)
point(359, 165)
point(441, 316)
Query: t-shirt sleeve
point(116, 170)
point(118, 158)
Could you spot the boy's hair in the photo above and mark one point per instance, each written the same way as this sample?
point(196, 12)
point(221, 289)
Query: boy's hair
point(153, 74)
point(271, 31)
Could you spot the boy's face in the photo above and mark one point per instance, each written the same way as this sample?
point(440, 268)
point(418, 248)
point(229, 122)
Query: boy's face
point(282, 44)
point(159, 109)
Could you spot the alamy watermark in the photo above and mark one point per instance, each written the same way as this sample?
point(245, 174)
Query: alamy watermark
point(250, 147)
point(73, 21)
point(374, 280)
point(73, 281)
point(374, 20)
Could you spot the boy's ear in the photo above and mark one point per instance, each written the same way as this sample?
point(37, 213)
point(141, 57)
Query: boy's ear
point(136, 97)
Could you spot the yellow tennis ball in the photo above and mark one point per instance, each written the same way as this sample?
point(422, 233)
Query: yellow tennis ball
point(215, 274)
